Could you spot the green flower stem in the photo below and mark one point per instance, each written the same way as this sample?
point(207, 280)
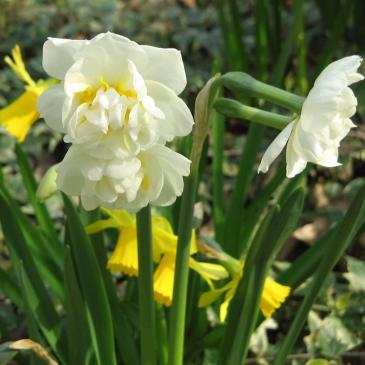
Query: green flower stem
point(145, 287)
point(344, 235)
point(202, 115)
point(178, 310)
point(235, 109)
point(217, 172)
point(243, 83)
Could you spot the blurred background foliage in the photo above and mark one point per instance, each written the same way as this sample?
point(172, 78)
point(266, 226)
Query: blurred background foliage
point(330, 29)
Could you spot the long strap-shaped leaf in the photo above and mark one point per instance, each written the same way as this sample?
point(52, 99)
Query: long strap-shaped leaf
point(244, 309)
point(31, 186)
point(345, 233)
point(37, 294)
point(79, 341)
point(127, 347)
point(47, 258)
point(97, 306)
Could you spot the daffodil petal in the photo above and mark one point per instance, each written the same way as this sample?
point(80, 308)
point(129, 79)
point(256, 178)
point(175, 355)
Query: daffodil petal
point(20, 115)
point(163, 280)
point(125, 256)
point(275, 148)
point(122, 217)
point(273, 297)
point(211, 296)
point(100, 225)
point(208, 271)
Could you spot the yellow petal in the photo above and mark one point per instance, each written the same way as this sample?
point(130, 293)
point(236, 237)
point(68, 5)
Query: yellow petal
point(125, 256)
point(193, 245)
point(223, 309)
point(124, 218)
point(17, 65)
point(211, 296)
point(101, 225)
point(208, 271)
point(163, 280)
point(163, 242)
point(19, 116)
point(273, 297)
point(160, 222)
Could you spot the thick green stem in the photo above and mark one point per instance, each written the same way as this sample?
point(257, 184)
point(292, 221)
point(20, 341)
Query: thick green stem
point(178, 311)
point(147, 310)
point(217, 165)
point(249, 86)
point(235, 109)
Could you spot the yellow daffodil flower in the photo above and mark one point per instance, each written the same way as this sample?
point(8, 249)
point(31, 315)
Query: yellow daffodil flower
point(125, 256)
point(273, 296)
point(19, 116)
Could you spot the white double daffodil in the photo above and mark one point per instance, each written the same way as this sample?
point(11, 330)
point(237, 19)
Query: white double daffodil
point(315, 135)
point(118, 105)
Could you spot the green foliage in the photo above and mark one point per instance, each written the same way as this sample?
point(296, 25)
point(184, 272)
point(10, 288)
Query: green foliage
point(55, 288)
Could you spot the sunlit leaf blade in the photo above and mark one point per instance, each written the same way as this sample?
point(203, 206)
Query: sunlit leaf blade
point(10, 288)
point(123, 330)
point(37, 294)
point(47, 256)
point(30, 185)
point(78, 338)
point(97, 306)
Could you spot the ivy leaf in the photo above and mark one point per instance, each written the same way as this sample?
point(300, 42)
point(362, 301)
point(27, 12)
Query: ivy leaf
point(317, 362)
point(356, 274)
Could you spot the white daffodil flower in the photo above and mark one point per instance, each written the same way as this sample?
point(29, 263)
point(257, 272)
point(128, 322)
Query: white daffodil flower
point(324, 121)
point(111, 83)
point(118, 105)
point(152, 176)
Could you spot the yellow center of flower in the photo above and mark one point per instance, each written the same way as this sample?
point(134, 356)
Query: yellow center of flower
point(88, 95)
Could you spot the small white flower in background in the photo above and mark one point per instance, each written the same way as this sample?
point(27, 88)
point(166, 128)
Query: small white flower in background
point(118, 105)
point(324, 121)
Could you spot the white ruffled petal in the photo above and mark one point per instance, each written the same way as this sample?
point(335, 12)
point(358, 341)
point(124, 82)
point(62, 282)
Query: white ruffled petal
point(275, 148)
point(174, 167)
point(165, 66)
point(178, 119)
point(58, 55)
point(50, 104)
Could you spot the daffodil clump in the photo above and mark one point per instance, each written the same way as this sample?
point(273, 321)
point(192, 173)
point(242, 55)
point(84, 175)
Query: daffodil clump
point(117, 104)
point(18, 117)
point(125, 255)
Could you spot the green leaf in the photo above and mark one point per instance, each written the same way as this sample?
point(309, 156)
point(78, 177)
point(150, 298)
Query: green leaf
point(47, 257)
point(345, 233)
point(317, 362)
point(244, 308)
point(10, 288)
point(97, 306)
point(78, 338)
point(36, 292)
point(122, 313)
point(31, 186)
point(6, 354)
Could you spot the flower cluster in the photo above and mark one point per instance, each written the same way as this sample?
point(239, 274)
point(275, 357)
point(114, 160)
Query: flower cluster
point(324, 121)
point(125, 256)
point(118, 106)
